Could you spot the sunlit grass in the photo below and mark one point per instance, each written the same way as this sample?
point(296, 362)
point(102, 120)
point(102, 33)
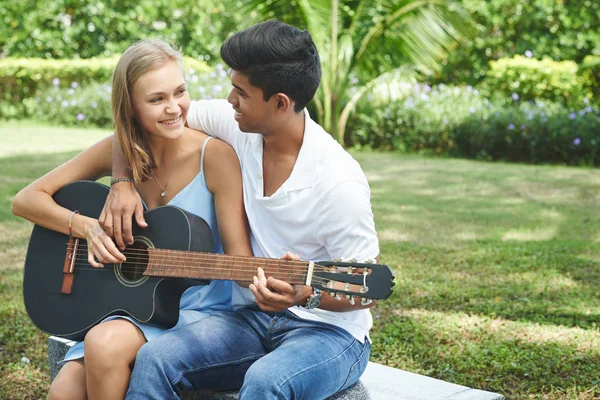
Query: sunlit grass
point(497, 270)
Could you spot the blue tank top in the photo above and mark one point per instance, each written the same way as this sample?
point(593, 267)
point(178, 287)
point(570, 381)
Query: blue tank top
point(196, 198)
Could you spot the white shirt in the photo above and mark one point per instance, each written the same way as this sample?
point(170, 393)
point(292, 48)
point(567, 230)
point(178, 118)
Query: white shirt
point(321, 212)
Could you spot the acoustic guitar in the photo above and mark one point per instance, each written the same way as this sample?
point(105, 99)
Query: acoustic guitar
point(65, 296)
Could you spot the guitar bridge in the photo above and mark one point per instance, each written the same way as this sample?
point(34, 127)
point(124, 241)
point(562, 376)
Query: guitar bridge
point(69, 266)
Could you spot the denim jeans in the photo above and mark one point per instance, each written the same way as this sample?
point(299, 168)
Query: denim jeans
point(268, 355)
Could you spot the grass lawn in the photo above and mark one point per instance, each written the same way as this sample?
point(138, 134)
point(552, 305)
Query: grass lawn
point(497, 269)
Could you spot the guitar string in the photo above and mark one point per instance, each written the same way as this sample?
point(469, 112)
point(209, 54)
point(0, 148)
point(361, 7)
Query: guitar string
point(281, 266)
point(222, 261)
point(82, 263)
point(169, 266)
point(322, 282)
point(181, 257)
point(183, 254)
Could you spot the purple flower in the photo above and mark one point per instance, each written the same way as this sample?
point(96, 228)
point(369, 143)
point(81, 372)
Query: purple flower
point(511, 127)
point(472, 110)
point(577, 141)
point(515, 96)
point(528, 54)
point(64, 104)
point(572, 115)
point(446, 122)
point(74, 85)
point(523, 127)
point(94, 105)
point(586, 100)
point(80, 116)
point(582, 113)
point(55, 81)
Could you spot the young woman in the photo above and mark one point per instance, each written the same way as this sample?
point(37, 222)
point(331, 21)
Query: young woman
point(171, 165)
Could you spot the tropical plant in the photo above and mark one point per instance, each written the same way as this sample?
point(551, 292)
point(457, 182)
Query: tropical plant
point(366, 44)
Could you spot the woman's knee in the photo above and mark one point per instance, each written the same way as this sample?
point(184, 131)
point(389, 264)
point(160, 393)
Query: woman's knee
point(112, 343)
point(70, 383)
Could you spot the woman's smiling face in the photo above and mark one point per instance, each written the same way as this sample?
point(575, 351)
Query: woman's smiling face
point(161, 101)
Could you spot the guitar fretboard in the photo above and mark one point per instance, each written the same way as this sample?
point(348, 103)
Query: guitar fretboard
point(195, 265)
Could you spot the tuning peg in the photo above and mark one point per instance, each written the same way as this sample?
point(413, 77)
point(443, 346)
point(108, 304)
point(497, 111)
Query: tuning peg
point(335, 296)
point(350, 299)
point(365, 302)
point(337, 260)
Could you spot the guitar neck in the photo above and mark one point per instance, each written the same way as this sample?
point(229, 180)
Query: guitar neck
point(196, 265)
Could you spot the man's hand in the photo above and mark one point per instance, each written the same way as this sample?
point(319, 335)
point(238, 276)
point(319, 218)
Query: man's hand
point(122, 203)
point(275, 295)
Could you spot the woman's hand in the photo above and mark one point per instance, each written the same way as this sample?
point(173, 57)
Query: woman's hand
point(101, 247)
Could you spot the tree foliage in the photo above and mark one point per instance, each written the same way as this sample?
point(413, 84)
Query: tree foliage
point(100, 28)
point(364, 43)
point(558, 29)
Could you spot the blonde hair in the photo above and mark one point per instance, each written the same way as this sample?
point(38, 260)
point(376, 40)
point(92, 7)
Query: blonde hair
point(138, 59)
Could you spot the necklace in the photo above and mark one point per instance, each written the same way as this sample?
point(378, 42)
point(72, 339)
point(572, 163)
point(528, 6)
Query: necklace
point(164, 189)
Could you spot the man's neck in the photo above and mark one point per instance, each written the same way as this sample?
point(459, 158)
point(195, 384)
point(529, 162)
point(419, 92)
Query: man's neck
point(285, 138)
point(280, 152)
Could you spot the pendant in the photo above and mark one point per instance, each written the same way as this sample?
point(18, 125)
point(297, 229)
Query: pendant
point(162, 194)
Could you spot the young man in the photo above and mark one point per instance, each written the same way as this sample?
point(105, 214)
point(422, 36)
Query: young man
point(303, 195)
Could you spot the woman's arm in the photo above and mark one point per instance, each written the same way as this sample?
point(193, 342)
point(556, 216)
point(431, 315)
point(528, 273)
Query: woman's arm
point(35, 202)
point(224, 180)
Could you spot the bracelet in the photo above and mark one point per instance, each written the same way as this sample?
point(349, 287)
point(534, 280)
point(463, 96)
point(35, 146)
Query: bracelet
point(124, 179)
point(70, 221)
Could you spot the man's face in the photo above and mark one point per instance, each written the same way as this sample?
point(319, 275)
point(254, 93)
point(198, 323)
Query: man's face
point(252, 112)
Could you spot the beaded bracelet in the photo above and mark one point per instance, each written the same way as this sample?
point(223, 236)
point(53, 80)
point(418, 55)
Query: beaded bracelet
point(70, 221)
point(124, 179)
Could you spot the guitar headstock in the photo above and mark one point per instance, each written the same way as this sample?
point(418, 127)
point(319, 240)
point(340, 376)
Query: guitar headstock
point(366, 281)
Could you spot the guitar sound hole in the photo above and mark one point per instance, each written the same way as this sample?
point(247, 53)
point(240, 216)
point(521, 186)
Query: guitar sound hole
point(131, 272)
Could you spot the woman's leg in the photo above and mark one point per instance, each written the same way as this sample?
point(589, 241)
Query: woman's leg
point(69, 384)
point(110, 350)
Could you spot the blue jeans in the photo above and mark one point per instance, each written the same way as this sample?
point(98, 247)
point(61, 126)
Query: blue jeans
point(268, 355)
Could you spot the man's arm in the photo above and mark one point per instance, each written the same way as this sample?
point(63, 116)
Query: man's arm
point(122, 203)
point(345, 227)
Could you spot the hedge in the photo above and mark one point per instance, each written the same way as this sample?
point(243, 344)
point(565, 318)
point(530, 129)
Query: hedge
point(24, 78)
point(459, 121)
point(531, 79)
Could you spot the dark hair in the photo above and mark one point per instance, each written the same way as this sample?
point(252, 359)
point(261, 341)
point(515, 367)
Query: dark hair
point(277, 58)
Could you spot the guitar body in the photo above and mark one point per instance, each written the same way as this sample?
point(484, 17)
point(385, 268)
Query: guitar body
point(100, 292)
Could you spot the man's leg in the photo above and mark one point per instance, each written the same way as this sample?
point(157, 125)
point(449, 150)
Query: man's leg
point(211, 354)
point(311, 360)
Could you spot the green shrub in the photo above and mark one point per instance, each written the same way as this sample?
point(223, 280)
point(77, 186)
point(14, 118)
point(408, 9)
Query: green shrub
point(459, 122)
point(560, 30)
point(531, 79)
point(26, 78)
point(589, 70)
point(89, 105)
